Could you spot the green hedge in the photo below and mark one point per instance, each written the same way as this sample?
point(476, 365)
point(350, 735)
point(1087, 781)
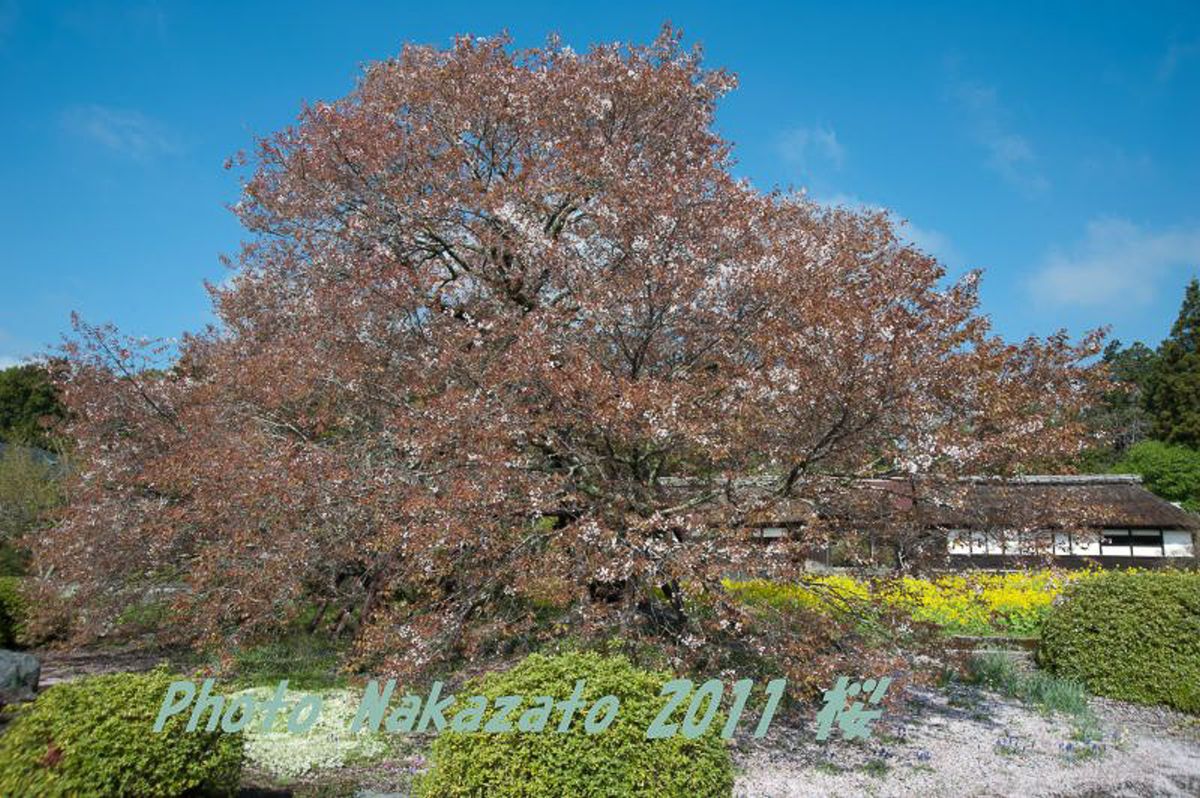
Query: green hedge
point(1132, 636)
point(95, 737)
point(12, 612)
point(615, 761)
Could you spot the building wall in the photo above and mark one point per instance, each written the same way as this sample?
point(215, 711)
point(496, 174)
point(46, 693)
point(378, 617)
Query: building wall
point(1103, 545)
point(967, 549)
point(1069, 562)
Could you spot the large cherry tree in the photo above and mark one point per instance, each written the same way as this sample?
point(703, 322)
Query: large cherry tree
point(510, 354)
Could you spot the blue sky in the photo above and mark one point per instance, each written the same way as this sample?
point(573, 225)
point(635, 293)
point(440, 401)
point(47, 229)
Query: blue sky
point(1055, 145)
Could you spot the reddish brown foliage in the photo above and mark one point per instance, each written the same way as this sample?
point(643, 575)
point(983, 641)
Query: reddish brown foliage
point(488, 288)
point(52, 757)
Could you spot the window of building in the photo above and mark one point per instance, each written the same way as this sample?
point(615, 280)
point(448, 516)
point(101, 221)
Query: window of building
point(770, 532)
point(1108, 543)
point(1178, 543)
point(1132, 543)
point(1085, 544)
point(1146, 542)
point(959, 541)
point(1005, 542)
point(1115, 543)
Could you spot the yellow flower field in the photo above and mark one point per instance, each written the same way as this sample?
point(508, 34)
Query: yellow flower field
point(972, 603)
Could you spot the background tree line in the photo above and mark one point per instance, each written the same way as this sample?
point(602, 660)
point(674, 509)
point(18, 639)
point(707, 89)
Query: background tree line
point(29, 458)
point(1152, 415)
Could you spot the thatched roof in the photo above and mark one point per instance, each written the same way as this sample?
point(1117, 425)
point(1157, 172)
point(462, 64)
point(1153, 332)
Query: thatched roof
point(1110, 501)
point(1032, 502)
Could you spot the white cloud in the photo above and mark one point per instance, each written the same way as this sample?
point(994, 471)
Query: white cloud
point(128, 132)
point(1176, 54)
point(849, 200)
point(1114, 162)
point(930, 241)
point(806, 147)
point(1117, 264)
point(933, 242)
point(7, 362)
point(1009, 154)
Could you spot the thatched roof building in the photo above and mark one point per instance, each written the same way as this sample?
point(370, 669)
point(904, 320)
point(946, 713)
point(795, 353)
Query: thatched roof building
point(1110, 520)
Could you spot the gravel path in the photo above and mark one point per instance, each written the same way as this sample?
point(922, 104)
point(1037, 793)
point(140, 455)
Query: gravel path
point(64, 666)
point(973, 743)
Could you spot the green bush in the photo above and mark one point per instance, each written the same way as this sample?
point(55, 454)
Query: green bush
point(615, 761)
point(96, 737)
point(1132, 636)
point(1170, 471)
point(12, 611)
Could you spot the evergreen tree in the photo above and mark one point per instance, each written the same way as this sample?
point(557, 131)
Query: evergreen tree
point(1173, 390)
point(27, 400)
point(1123, 410)
point(1119, 415)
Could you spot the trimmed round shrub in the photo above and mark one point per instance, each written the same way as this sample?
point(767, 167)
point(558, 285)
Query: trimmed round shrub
point(12, 612)
point(96, 736)
point(615, 761)
point(1131, 636)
